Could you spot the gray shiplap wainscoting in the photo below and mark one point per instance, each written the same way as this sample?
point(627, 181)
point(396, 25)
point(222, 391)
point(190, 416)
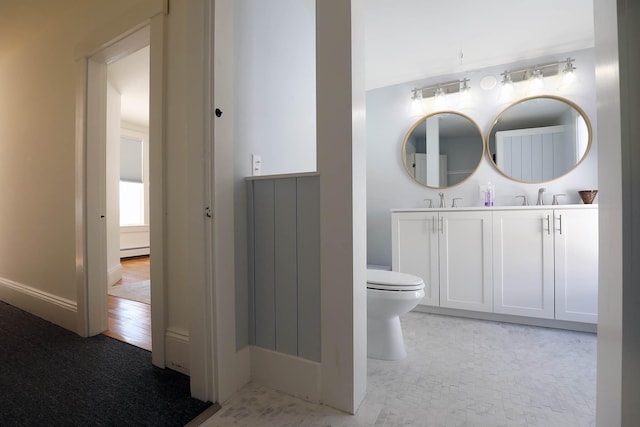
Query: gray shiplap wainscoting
point(284, 264)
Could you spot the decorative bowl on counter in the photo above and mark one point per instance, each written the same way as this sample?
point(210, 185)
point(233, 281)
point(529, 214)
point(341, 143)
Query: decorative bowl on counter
point(587, 196)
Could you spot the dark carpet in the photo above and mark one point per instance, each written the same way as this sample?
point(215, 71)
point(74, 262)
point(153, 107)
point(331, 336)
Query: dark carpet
point(52, 377)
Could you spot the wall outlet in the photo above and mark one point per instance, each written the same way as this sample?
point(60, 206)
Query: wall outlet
point(256, 162)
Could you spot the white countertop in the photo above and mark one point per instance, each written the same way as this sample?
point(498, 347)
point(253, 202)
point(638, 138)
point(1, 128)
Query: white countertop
point(497, 208)
point(281, 176)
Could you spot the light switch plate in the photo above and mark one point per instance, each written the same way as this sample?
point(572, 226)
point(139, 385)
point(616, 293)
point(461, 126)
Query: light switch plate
point(256, 168)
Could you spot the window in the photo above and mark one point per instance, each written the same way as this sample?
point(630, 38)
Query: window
point(131, 181)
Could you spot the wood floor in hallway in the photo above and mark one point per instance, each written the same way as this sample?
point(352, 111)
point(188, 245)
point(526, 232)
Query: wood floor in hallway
point(130, 321)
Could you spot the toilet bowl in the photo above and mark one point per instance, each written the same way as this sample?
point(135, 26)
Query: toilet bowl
point(389, 294)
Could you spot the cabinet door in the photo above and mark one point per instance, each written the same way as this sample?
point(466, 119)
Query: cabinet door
point(523, 263)
point(465, 260)
point(415, 249)
point(576, 237)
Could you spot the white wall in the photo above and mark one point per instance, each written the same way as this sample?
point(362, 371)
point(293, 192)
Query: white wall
point(38, 152)
point(275, 85)
point(389, 117)
point(38, 157)
point(114, 269)
point(275, 107)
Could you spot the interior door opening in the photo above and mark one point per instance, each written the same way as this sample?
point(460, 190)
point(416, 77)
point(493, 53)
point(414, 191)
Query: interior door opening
point(117, 183)
point(127, 199)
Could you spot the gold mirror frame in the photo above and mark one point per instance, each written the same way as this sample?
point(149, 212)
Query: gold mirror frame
point(489, 139)
point(410, 169)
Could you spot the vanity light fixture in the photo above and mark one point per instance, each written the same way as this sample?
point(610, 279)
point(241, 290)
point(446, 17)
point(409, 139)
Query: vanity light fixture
point(441, 89)
point(538, 71)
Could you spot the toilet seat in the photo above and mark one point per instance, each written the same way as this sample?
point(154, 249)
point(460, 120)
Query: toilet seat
point(393, 281)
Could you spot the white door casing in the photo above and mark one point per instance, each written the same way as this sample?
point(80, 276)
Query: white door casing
point(96, 319)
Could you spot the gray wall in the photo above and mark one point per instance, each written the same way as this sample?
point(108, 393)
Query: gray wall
point(275, 108)
point(284, 265)
point(389, 117)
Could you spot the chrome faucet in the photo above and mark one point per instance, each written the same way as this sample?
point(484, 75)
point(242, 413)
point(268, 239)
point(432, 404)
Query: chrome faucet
point(441, 199)
point(555, 198)
point(454, 203)
point(540, 200)
point(525, 202)
point(430, 205)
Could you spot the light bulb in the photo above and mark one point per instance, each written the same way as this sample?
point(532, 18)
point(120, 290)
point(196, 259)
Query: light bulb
point(465, 92)
point(537, 84)
point(416, 103)
point(507, 87)
point(568, 74)
point(440, 97)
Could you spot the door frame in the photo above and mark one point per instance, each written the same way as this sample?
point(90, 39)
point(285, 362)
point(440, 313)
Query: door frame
point(91, 268)
point(92, 311)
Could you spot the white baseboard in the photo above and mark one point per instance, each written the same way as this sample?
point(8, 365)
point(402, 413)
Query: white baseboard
point(177, 350)
point(114, 274)
point(133, 252)
point(53, 308)
point(289, 374)
point(508, 318)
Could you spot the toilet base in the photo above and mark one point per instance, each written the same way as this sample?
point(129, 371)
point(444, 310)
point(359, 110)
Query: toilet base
point(384, 339)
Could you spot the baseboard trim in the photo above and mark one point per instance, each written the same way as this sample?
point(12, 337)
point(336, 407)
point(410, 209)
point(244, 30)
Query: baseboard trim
point(508, 318)
point(177, 350)
point(134, 252)
point(286, 373)
point(114, 274)
point(57, 310)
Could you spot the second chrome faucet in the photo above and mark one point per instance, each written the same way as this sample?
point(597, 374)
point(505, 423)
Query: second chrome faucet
point(540, 199)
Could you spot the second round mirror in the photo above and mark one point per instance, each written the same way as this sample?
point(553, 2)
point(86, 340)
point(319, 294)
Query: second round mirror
point(539, 139)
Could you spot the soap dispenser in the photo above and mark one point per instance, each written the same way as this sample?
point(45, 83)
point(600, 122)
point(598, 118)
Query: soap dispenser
point(489, 194)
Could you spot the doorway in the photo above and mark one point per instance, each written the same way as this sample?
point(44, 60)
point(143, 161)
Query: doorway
point(127, 199)
point(118, 203)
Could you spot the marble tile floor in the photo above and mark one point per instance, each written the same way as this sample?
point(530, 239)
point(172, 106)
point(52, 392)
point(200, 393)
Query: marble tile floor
point(458, 372)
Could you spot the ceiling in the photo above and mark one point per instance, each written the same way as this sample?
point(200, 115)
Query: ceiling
point(130, 77)
point(405, 40)
point(415, 39)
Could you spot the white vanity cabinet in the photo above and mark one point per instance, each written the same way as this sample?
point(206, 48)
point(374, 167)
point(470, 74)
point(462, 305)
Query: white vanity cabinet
point(451, 251)
point(414, 247)
point(523, 261)
point(545, 263)
point(576, 265)
point(537, 262)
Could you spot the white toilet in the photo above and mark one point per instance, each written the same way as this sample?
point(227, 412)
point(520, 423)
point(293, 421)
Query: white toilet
point(389, 294)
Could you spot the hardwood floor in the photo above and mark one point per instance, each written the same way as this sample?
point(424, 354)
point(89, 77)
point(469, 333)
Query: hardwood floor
point(135, 269)
point(130, 321)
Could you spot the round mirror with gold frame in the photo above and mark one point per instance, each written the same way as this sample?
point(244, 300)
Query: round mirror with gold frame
point(539, 139)
point(442, 149)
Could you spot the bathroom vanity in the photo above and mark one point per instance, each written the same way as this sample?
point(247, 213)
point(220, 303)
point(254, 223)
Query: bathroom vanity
point(517, 263)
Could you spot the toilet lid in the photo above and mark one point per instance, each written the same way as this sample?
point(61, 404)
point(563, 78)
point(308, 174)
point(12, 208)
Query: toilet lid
point(393, 281)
